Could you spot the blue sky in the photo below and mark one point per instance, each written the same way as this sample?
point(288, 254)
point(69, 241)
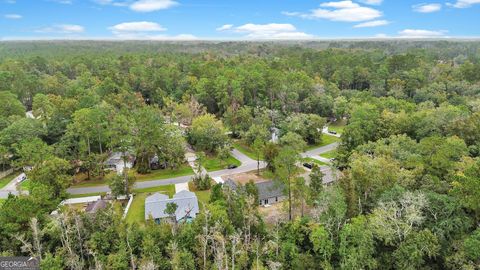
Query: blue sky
point(234, 20)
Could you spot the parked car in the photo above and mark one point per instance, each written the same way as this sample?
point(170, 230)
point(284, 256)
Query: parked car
point(332, 132)
point(308, 165)
point(232, 166)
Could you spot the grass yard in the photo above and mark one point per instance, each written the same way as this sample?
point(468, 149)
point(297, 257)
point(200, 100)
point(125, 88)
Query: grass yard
point(326, 140)
point(330, 154)
point(4, 181)
point(136, 213)
point(315, 161)
point(183, 170)
point(246, 150)
point(72, 196)
point(25, 185)
point(215, 164)
point(203, 196)
point(337, 126)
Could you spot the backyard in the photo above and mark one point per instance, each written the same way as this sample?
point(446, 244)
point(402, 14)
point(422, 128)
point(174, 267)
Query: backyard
point(136, 213)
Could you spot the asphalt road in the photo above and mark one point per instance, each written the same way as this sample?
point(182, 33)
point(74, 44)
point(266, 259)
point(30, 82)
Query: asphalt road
point(248, 164)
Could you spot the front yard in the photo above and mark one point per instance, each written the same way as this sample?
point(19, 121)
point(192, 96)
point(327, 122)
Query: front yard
point(330, 154)
point(326, 140)
point(4, 181)
point(246, 150)
point(183, 170)
point(212, 163)
point(315, 161)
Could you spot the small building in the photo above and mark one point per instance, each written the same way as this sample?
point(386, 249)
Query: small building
point(115, 162)
point(93, 207)
point(186, 201)
point(269, 192)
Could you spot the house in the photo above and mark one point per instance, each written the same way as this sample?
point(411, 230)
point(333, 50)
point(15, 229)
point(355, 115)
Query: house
point(93, 207)
point(115, 162)
point(269, 192)
point(186, 201)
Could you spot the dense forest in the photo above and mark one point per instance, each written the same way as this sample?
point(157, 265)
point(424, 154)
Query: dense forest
point(408, 196)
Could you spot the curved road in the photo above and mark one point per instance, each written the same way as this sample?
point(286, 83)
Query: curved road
point(248, 164)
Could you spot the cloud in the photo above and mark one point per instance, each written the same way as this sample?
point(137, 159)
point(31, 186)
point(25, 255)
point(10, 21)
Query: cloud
point(62, 29)
point(420, 33)
point(427, 8)
point(267, 31)
point(145, 31)
point(225, 27)
point(140, 5)
point(65, 2)
point(464, 3)
point(152, 5)
point(372, 2)
point(13, 16)
point(372, 24)
point(137, 27)
point(343, 11)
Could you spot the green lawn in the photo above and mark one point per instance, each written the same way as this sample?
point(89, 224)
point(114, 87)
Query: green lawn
point(338, 126)
point(4, 181)
point(72, 196)
point(246, 150)
point(215, 164)
point(25, 185)
point(312, 160)
point(330, 154)
point(326, 140)
point(136, 213)
point(183, 170)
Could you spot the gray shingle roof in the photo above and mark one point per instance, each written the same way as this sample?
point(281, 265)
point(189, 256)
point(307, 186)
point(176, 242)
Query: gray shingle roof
point(269, 189)
point(186, 201)
point(266, 189)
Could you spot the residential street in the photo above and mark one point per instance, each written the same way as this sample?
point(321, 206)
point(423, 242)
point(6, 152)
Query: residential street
point(248, 164)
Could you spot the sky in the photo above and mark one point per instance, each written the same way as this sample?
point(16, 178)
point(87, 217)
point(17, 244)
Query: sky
point(237, 19)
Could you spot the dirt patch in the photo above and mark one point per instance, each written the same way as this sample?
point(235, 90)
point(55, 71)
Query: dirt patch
point(243, 178)
point(274, 213)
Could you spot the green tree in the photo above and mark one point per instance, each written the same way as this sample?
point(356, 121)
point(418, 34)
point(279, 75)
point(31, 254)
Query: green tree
point(122, 140)
point(208, 133)
point(285, 171)
point(171, 209)
point(357, 246)
point(323, 246)
point(53, 174)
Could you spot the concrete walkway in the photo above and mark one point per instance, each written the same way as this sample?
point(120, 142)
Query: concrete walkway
point(181, 186)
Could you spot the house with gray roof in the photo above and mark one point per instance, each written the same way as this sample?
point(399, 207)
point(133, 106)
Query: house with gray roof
point(269, 192)
point(116, 163)
point(186, 201)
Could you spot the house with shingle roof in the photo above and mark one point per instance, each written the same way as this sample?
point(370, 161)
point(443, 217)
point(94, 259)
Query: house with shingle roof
point(186, 201)
point(269, 192)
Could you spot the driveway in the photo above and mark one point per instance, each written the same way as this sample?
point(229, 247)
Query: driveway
point(248, 164)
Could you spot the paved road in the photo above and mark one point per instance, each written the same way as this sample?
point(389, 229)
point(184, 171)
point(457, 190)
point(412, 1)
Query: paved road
point(248, 164)
point(320, 150)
